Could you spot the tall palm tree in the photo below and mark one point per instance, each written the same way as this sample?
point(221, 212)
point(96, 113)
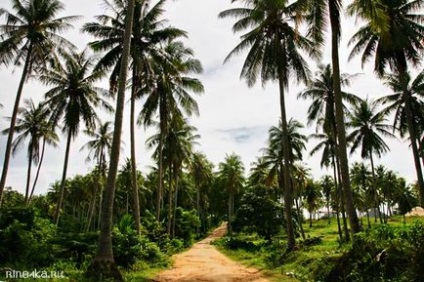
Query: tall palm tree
point(168, 93)
point(231, 176)
point(99, 146)
point(29, 36)
point(273, 42)
point(103, 264)
point(148, 32)
point(319, 12)
point(368, 128)
point(32, 122)
point(73, 98)
point(396, 44)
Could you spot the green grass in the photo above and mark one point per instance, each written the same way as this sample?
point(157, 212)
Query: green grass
point(306, 263)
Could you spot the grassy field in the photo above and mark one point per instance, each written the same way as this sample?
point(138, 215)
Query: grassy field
point(306, 261)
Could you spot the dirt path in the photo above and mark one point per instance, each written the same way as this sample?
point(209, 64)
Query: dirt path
point(204, 263)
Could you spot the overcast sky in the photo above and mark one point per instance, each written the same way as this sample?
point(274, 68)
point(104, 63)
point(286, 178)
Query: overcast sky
point(233, 117)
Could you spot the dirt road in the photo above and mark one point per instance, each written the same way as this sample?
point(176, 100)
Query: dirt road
point(204, 263)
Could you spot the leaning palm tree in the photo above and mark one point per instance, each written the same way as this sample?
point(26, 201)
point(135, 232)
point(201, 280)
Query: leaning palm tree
point(103, 265)
point(73, 98)
point(147, 33)
point(99, 146)
point(231, 177)
point(274, 43)
point(32, 122)
point(168, 93)
point(396, 43)
point(29, 36)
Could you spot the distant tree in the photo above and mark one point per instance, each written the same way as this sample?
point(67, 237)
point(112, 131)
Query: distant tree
point(33, 122)
point(231, 177)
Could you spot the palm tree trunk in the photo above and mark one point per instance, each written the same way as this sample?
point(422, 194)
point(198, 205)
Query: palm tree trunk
point(230, 212)
point(136, 201)
point(170, 197)
point(13, 121)
point(286, 166)
point(300, 216)
point(92, 206)
point(198, 209)
point(63, 182)
point(160, 184)
point(103, 265)
point(374, 186)
point(28, 175)
point(342, 202)
point(336, 186)
point(38, 169)
point(340, 122)
point(174, 217)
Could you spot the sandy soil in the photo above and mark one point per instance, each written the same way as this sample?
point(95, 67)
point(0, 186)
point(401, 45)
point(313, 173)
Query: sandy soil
point(204, 263)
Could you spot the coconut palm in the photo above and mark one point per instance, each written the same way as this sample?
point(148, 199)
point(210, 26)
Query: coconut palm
point(73, 98)
point(320, 90)
point(320, 13)
point(200, 170)
point(231, 177)
point(177, 151)
point(274, 43)
point(147, 32)
point(169, 94)
point(32, 122)
point(103, 265)
point(99, 148)
point(396, 44)
point(29, 36)
point(312, 194)
point(368, 129)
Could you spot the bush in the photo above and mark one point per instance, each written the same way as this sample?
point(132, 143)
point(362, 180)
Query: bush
point(383, 253)
point(259, 212)
point(25, 239)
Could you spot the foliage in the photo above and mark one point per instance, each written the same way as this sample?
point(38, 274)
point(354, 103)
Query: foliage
point(25, 238)
point(259, 212)
point(383, 253)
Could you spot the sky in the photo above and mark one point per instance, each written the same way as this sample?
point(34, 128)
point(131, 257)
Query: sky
point(233, 118)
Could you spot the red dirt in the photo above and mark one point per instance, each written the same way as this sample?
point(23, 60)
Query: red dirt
point(204, 263)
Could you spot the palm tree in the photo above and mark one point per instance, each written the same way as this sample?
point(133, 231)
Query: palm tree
point(312, 194)
point(316, 18)
point(177, 151)
point(169, 94)
point(103, 264)
point(32, 123)
point(29, 37)
point(231, 177)
point(368, 128)
point(320, 90)
point(73, 99)
point(273, 43)
point(200, 170)
point(99, 146)
point(397, 43)
point(147, 33)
